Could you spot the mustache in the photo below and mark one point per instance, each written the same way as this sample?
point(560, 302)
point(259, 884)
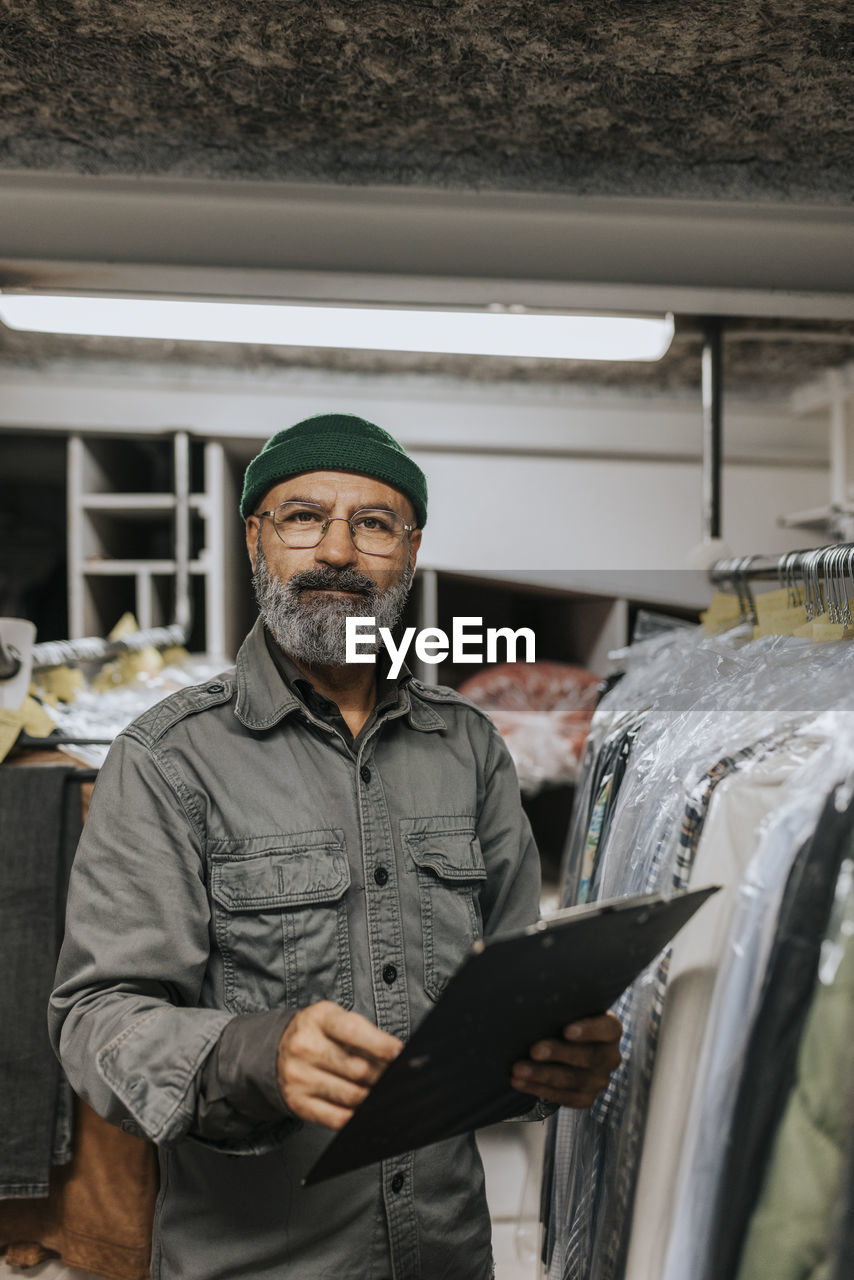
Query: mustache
point(329, 579)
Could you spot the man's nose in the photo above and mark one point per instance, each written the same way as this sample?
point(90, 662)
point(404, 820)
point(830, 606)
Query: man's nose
point(336, 546)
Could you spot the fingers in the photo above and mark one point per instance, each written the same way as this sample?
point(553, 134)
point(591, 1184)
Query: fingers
point(574, 1070)
point(349, 1064)
point(589, 1056)
point(568, 1086)
point(356, 1033)
point(328, 1059)
point(605, 1027)
point(325, 1113)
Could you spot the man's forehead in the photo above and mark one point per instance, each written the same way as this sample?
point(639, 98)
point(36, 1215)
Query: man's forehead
point(331, 487)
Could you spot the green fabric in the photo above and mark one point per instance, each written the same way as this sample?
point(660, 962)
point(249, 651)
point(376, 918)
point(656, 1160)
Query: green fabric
point(334, 442)
point(791, 1229)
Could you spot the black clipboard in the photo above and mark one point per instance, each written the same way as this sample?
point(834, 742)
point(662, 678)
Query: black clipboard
point(452, 1075)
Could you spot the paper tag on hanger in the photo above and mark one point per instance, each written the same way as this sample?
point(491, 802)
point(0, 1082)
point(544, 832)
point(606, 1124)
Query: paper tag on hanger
point(17, 637)
point(30, 716)
point(778, 601)
point(825, 631)
point(781, 622)
point(60, 684)
point(723, 612)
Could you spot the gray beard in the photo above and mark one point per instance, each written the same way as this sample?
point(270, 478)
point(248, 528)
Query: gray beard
point(311, 628)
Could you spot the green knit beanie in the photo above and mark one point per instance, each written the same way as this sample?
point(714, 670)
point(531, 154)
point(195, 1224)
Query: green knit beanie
point(334, 442)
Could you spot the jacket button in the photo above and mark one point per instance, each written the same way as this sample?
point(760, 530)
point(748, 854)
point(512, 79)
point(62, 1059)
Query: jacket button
point(397, 1182)
point(389, 974)
point(216, 688)
point(381, 876)
point(365, 773)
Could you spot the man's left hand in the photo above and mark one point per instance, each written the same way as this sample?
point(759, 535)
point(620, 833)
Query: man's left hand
point(573, 1070)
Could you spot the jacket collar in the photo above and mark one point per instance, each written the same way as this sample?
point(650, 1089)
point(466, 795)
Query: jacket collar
point(419, 712)
point(264, 697)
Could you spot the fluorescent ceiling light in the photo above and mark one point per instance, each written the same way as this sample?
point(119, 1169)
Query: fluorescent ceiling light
point(482, 333)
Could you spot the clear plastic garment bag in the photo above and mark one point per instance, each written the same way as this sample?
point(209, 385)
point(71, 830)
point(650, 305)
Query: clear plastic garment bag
point(700, 711)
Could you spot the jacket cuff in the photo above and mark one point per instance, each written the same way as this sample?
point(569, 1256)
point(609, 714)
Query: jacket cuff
point(239, 1099)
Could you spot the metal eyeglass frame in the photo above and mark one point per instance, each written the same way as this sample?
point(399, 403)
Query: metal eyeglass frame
point(407, 528)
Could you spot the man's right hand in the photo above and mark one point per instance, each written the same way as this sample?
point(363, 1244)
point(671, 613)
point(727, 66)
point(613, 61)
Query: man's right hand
point(328, 1059)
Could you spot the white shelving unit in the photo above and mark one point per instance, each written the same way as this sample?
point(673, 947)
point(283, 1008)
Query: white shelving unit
point(141, 538)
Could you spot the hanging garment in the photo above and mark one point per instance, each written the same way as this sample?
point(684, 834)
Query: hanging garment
point(595, 1153)
point(736, 811)
point(608, 773)
point(625, 1102)
point(99, 1209)
point(40, 824)
point(99, 1213)
point(605, 1142)
point(605, 772)
point(771, 1056)
point(704, 699)
point(791, 1232)
point(736, 997)
point(843, 1266)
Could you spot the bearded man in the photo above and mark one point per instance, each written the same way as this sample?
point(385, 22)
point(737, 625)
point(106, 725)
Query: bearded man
point(279, 873)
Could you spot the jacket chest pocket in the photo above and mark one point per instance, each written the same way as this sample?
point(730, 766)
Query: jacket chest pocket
point(280, 919)
point(449, 866)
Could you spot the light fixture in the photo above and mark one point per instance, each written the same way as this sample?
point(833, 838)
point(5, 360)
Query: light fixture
point(487, 332)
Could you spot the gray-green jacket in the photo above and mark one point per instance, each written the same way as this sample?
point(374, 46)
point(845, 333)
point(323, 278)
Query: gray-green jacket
point(241, 856)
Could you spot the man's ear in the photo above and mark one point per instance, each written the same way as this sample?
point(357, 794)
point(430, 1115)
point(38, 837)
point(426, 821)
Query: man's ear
point(253, 531)
point(414, 544)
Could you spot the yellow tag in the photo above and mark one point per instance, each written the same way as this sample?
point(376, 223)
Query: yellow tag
point(804, 632)
point(175, 655)
point(723, 612)
point(777, 602)
point(127, 625)
point(11, 724)
point(824, 631)
point(34, 719)
point(61, 684)
point(127, 668)
point(781, 622)
point(30, 717)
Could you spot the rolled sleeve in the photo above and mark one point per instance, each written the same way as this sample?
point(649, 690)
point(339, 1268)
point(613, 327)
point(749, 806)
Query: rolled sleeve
point(240, 1107)
point(126, 1017)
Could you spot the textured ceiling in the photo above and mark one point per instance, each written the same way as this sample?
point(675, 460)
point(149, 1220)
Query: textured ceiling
point(728, 98)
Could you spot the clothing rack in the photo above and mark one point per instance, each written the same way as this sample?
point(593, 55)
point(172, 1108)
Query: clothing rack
point(58, 653)
point(821, 577)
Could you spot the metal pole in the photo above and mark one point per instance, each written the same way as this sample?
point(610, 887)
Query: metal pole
point(712, 386)
point(428, 616)
point(183, 606)
point(58, 653)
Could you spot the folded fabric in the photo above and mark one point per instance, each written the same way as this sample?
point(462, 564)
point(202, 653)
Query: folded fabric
point(100, 1210)
point(40, 823)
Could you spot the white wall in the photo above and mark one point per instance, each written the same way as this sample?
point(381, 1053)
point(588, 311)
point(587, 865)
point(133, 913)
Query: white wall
point(580, 514)
point(522, 477)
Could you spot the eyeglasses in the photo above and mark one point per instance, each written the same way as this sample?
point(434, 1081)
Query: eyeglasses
point(374, 530)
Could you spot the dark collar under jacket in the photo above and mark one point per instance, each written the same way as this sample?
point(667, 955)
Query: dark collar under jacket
point(270, 688)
